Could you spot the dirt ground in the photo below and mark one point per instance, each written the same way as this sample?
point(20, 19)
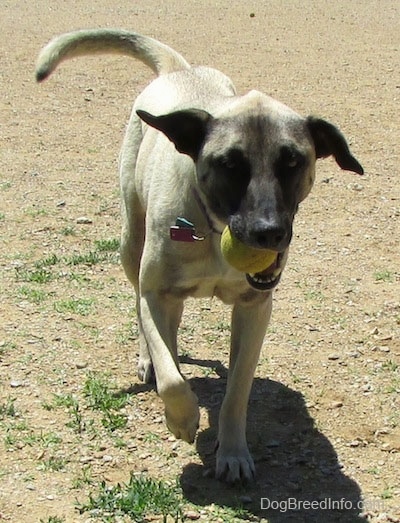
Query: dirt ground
point(324, 418)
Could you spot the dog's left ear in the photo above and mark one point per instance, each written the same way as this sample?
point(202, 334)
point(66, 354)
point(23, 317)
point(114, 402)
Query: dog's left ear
point(328, 140)
point(186, 129)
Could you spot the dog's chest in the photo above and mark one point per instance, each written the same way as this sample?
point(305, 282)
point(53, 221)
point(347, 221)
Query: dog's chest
point(228, 288)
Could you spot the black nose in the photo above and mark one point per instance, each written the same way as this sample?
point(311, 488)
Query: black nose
point(270, 235)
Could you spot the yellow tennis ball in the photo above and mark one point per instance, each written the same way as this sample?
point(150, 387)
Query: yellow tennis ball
point(244, 258)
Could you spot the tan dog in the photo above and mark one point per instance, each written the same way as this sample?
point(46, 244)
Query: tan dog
point(220, 159)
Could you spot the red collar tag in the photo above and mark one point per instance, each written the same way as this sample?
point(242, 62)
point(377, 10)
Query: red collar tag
point(183, 231)
point(181, 234)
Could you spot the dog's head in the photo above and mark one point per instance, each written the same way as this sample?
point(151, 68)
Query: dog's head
point(255, 163)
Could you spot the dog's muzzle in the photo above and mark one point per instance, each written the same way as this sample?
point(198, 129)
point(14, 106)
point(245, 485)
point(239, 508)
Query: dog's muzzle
point(270, 277)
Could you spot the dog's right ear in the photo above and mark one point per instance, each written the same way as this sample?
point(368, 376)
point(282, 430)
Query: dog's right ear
point(186, 129)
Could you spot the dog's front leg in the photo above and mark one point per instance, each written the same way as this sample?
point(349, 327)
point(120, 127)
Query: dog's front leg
point(249, 323)
point(160, 316)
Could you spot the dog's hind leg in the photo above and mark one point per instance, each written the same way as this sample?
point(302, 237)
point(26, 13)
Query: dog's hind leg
point(249, 324)
point(132, 240)
point(133, 232)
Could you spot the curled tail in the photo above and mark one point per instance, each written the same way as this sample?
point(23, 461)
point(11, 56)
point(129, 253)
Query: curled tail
point(159, 57)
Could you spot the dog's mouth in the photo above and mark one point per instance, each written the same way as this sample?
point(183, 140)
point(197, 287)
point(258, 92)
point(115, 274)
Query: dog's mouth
point(270, 277)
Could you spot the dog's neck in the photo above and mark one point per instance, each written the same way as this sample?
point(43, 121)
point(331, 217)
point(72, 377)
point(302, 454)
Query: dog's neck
point(211, 224)
point(185, 231)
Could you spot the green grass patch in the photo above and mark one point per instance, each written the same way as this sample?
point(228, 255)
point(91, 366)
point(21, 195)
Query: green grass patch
point(138, 499)
point(44, 439)
point(68, 231)
point(102, 396)
point(33, 295)
point(7, 346)
point(76, 422)
point(7, 409)
point(4, 186)
point(384, 276)
point(35, 212)
point(85, 478)
point(390, 366)
point(49, 261)
point(89, 258)
point(41, 271)
point(61, 400)
point(41, 276)
point(53, 464)
point(111, 245)
point(18, 434)
point(387, 492)
point(80, 306)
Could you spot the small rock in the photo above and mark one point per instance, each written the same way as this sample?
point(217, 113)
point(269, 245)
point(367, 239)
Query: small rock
point(84, 220)
point(354, 443)
point(334, 357)
point(355, 187)
point(192, 515)
point(81, 364)
point(107, 458)
point(367, 387)
point(61, 203)
point(85, 459)
point(15, 384)
point(336, 404)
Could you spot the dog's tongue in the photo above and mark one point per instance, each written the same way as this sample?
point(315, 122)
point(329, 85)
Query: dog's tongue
point(270, 269)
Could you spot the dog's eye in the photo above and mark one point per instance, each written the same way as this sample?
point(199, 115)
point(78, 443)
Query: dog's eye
point(292, 163)
point(292, 159)
point(227, 163)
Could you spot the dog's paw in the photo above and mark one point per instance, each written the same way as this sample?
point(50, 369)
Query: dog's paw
point(235, 467)
point(146, 371)
point(182, 415)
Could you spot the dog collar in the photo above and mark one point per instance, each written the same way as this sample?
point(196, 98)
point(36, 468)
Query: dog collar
point(185, 231)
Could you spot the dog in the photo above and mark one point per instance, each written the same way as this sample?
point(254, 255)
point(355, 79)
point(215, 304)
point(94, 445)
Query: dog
point(196, 158)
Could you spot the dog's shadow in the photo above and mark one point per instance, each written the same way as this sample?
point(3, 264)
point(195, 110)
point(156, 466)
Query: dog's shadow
point(299, 477)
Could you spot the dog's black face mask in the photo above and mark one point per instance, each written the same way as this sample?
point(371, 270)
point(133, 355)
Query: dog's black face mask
point(254, 173)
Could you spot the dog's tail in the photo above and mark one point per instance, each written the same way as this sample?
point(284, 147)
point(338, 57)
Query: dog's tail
point(159, 57)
